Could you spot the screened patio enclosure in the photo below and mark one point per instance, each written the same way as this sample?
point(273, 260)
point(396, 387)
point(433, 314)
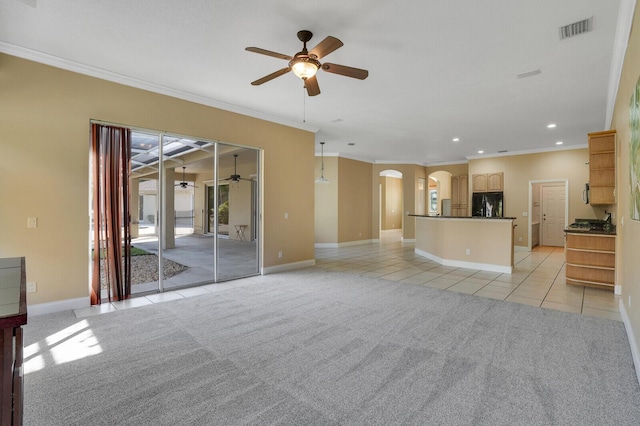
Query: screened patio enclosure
point(194, 207)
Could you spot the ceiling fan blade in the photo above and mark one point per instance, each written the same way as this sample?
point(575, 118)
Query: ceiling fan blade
point(268, 53)
point(325, 47)
point(311, 84)
point(270, 76)
point(347, 71)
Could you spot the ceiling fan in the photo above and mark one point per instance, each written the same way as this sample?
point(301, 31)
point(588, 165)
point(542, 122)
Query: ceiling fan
point(184, 184)
point(305, 63)
point(235, 177)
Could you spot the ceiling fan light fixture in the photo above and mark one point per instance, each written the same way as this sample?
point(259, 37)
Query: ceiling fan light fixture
point(304, 67)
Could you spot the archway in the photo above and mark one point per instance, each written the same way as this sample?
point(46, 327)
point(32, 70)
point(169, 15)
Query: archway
point(439, 194)
point(390, 222)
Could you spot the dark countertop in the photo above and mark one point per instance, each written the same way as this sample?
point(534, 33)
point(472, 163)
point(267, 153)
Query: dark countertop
point(588, 231)
point(463, 217)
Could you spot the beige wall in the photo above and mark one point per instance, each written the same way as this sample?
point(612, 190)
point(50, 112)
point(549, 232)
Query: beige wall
point(628, 241)
point(391, 203)
point(326, 202)
point(354, 201)
point(343, 207)
point(44, 134)
point(520, 169)
point(454, 169)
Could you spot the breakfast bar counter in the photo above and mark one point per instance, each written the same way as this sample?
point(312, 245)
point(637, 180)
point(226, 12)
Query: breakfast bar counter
point(484, 243)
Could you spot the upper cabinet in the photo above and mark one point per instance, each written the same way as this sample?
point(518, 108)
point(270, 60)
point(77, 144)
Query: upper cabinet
point(488, 182)
point(495, 182)
point(602, 167)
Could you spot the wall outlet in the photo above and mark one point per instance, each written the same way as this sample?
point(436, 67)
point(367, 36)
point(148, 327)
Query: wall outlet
point(32, 222)
point(468, 252)
point(519, 238)
point(280, 255)
point(525, 214)
point(286, 215)
point(32, 287)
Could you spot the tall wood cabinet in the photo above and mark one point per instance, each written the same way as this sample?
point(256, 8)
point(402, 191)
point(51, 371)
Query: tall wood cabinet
point(460, 196)
point(488, 182)
point(602, 168)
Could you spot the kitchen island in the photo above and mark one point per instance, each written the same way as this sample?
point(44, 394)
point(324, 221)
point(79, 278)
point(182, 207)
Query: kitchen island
point(484, 243)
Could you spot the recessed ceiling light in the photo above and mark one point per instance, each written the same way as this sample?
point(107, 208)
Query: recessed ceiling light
point(559, 143)
point(551, 126)
point(480, 152)
point(456, 139)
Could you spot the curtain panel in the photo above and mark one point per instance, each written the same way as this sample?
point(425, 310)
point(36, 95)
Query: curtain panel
point(111, 169)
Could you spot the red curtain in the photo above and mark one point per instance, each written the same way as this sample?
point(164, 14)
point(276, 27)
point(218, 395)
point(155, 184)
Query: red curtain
point(111, 155)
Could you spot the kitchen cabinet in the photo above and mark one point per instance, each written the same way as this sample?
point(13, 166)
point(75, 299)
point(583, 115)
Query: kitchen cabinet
point(602, 168)
point(495, 182)
point(460, 196)
point(591, 259)
point(488, 182)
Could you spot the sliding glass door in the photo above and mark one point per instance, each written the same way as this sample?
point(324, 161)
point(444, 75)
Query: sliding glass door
point(194, 210)
point(237, 240)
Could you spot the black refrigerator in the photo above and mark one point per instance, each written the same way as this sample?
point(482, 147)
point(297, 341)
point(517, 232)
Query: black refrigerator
point(487, 204)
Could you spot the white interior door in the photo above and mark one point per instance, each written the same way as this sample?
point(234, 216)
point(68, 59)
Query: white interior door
point(553, 214)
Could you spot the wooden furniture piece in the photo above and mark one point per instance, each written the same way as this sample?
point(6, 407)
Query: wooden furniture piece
point(602, 168)
point(488, 182)
point(591, 259)
point(13, 315)
point(460, 196)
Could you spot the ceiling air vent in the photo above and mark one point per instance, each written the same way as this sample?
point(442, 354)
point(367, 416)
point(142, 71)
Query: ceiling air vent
point(576, 28)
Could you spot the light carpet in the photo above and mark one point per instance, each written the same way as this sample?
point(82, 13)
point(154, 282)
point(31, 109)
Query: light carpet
point(313, 347)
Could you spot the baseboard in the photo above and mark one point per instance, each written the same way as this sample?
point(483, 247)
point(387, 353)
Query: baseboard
point(58, 306)
point(633, 344)
point(288, 267)
point(408, 240)
point(345, 244)
point(520, 248)
point(468, 265)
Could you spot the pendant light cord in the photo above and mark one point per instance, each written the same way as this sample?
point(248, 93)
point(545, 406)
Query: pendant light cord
point(304, 104)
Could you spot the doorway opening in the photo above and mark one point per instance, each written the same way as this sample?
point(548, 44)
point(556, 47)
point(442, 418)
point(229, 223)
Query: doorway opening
point(548, 212)
point(440, 194)
point(391, 219)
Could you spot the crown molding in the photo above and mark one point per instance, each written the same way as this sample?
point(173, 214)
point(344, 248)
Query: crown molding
point(621, 40)
point(527, 151)
point(68, 65)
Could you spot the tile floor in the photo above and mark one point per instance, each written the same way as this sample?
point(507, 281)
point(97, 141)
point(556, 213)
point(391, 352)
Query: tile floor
point(538, 277)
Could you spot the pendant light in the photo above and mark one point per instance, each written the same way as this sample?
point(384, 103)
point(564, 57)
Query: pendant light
point(322, 179)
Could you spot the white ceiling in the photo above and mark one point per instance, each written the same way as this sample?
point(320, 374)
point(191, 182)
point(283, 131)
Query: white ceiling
point(437, 69)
